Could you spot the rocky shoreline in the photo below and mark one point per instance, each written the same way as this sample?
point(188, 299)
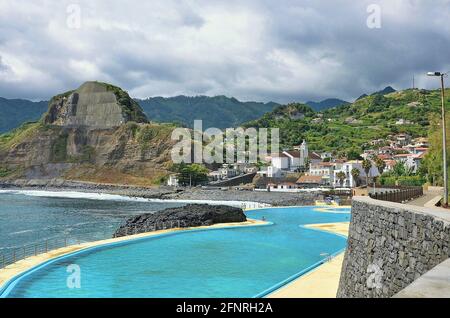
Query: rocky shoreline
point(191, 215)
point(272, 198)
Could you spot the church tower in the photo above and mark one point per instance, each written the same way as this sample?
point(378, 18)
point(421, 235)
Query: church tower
point(304, 154)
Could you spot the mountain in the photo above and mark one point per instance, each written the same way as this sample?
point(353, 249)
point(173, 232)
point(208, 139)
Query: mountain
point(94, 133)
point(14, 112)
point(325, 104)
point(385, 91)
point(218, 111)
point(352, 126)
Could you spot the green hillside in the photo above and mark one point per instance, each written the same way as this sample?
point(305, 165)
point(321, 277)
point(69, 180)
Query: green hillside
point(350, 127)
point(219, 111)
point(14, 112)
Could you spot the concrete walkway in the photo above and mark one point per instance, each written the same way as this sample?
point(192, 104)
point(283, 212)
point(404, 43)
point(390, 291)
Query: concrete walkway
point(433, 284)
point(426, 198)
point(322, 282)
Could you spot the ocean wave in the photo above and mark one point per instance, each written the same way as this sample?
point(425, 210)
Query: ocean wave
point(75, 195)
point(116, 197)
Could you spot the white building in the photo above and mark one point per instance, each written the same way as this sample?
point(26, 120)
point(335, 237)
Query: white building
point(173, 181)
point(280, 161)
point(347, 168)
point(324, 170)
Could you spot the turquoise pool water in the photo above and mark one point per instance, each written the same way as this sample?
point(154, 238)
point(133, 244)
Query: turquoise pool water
point(232, 262)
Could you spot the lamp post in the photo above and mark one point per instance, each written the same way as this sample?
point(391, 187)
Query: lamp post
point(444, 134)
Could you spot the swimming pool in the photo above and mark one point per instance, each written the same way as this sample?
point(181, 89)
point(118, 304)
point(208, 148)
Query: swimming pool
point(230, 262)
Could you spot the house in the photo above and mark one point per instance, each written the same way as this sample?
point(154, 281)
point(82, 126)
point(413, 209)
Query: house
point(402, 121)
point(314, 157)
point(271, 172)
point(413, 161)
point(294, 159)
point(323, 169)
point(227, 172)
point(402, 139)
point(390, 164)
point(282, 187)
point(280, 161)
point(307, 181)
point(347, 168)
point(173, 181)
point(325, 155)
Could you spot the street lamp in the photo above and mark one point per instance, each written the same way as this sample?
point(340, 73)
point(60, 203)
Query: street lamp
point(444, 136)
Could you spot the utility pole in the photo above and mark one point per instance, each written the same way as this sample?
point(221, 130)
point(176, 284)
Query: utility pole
point(444, 135)
point(444, 142)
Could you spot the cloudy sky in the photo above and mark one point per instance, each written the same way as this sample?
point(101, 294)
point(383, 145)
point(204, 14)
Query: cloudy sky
point(251, 49)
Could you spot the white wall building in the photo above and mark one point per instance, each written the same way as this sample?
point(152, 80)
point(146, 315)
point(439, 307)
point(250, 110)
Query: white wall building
point(347, 168)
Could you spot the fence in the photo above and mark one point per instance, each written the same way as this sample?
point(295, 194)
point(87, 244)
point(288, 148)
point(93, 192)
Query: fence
point(12, 255)
point(399, 194)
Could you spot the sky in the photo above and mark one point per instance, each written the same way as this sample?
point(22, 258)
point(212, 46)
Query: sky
point(262, 50)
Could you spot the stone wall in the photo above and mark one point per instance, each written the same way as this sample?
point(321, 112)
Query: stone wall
point(390, 245)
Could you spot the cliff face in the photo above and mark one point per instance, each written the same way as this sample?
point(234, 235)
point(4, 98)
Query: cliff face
point(94, 104)
point(95, 133)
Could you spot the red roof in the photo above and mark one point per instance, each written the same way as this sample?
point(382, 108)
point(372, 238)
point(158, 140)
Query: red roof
point(384, 157)
point(309, 179)
point(279, 155)
point(293, 153)
point(313, 155)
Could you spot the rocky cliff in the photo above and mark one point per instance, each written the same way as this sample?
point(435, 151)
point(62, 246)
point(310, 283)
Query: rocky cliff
point(94, 133)
point(190, 215)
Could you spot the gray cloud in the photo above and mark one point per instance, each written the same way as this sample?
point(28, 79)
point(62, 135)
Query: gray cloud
point(254, 50)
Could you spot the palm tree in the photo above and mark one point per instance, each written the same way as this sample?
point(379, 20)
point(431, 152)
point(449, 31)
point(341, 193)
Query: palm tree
point(355, 174)
point(380, 164)
point(367, 165)
point(341, 177)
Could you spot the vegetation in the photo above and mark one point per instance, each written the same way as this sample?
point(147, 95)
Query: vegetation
point(18, 135)
point(4, 172)
point(15, 112)
point(341, 177)
point(130, 107)
point(218, 111)
point(367, 165)
point(348, 129)
point(149, 134)
point(355, 174)
point(431, 166)
point(191, 174)
point(59, 148)
point(401, 175)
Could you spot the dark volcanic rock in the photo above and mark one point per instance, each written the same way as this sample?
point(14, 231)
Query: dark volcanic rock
point(187, 216)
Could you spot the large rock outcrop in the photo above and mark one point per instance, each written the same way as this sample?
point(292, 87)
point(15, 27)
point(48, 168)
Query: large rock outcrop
point(94, 104)
point(95, 133)
point(187, 216)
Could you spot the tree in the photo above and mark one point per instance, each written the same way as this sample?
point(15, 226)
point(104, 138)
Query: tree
point(380, 164)
point(341, 177)
point(367, 165)
point(192, 174)
point(355, 174)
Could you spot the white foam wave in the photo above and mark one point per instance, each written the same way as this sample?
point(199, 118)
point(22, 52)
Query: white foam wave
point(116, 197)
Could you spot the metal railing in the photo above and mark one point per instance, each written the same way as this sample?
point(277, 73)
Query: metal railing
point(11, 255)
point(398, 195)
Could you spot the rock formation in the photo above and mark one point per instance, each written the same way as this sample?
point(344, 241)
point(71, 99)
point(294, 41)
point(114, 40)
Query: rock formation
point(187, 216)
point(95, 133)
point(94, 104)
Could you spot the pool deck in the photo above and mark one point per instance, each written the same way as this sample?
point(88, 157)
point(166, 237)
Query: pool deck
point(12, 270)
point(322, 282)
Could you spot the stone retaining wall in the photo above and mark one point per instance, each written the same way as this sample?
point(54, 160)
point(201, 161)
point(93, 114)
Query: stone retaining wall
point(390, 245)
